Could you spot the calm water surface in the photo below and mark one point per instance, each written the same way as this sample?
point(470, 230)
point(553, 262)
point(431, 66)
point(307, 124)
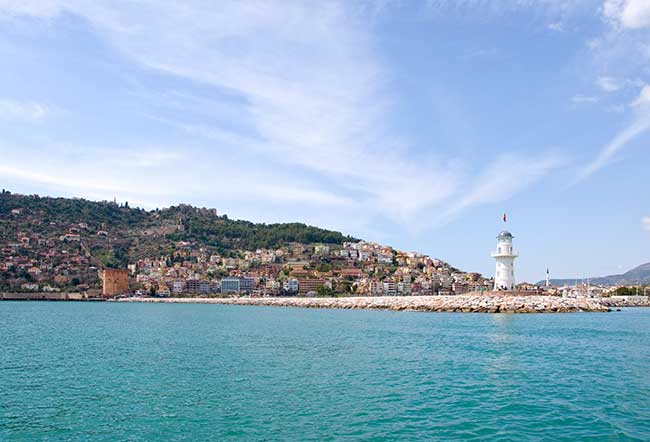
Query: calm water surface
point(154, 372)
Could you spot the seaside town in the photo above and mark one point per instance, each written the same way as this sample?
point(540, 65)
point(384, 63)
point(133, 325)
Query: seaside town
point(54, 256)
point(62, 262)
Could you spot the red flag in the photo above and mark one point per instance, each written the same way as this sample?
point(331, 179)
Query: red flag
point(504, 217)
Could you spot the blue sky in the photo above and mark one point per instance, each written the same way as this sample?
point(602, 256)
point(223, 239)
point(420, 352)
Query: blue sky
point(414, 124)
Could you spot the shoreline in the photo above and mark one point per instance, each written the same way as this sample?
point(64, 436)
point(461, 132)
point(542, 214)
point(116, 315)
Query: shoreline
point(456, 303)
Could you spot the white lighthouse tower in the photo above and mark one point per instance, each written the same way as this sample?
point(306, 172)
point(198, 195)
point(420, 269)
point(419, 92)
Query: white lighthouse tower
point(504, 277)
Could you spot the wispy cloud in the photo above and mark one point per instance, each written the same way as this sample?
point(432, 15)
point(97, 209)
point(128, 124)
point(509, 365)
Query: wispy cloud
point(609, 84)
point(38, 8)
point(12, 110)
point(578, 99)
point(623, 51)
point(616, 108)
point(504, 177)
point(318, 106)
point(645, 222)
point(642, 102)
point(639, 126)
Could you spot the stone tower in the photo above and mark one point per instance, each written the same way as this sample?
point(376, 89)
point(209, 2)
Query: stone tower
point(114, 282)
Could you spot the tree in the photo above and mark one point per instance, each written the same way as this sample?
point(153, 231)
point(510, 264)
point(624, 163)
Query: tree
point(626, 291)
point(325, 292)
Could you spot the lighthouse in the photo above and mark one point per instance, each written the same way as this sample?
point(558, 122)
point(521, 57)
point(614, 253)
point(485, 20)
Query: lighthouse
point(504, 277)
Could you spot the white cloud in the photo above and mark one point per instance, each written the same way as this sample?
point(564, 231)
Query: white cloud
point(645, 222)
point(22, 111)
point(609, 84)
point(639, 126)
point(38, 8)
point(620, 55)
point(632, 131)
point(632, 14)
point(578, 99)
point(127, 174)
point(150, 158)
point(643, 99)
point(616, 108)
point(504, 177)
point(308, 80)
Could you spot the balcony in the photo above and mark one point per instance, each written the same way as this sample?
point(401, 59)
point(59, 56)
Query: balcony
point(511, 254)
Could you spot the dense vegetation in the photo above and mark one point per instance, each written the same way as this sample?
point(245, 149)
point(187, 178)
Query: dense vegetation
point(631, 291)
point(225, 234)
point(178, 223)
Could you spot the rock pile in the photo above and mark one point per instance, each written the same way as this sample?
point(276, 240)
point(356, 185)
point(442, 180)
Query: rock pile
point(486, 303)
point(627, 301)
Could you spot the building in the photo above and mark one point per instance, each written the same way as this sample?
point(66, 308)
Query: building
point(504, 277)
point(460, 287)
point(321, 249)
point(163, 290)
point(246, 284)
point(309, 285)
point(115, 282)
point(230, 284)
point(178, 286)
point(390, 288)
point(404, 288)
point(353, 273)
point(235, 284)
point(291, 285)
point(192, 285)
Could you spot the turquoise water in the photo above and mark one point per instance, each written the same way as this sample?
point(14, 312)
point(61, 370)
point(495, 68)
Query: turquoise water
point(154, 372)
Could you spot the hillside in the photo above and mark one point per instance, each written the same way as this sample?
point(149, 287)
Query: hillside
point(637, 276)
point(79, 236)
point(173, 224)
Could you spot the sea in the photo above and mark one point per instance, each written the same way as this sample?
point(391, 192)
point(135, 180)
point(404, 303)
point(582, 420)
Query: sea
point(83, 371)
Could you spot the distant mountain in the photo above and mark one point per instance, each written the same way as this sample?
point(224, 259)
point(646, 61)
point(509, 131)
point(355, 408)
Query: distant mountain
point(638, 275)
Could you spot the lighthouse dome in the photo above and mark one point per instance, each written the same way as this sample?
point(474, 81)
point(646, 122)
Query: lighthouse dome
point(505, 234)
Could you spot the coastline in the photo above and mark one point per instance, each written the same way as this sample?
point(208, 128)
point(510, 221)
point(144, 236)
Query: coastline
point(485, 303)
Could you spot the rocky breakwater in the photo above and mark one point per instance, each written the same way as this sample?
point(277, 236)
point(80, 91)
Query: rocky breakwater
point(483, 303)
point(627, 301)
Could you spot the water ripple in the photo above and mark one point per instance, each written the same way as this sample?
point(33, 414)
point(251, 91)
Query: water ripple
point(107, 372)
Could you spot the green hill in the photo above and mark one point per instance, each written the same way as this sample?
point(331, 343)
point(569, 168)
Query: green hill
point(112, 235)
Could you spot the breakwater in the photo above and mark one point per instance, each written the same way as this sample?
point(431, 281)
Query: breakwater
point(483, 303)
point(47, 296)
point(627, 301)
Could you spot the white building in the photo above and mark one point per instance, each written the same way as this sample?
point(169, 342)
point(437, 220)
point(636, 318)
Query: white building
point(178, 286)
point(291, 285)
point(390, 288)
point(504, 277)
point(321, 249)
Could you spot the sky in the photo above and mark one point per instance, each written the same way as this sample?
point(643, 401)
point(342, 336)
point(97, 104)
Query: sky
point(415, 124)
